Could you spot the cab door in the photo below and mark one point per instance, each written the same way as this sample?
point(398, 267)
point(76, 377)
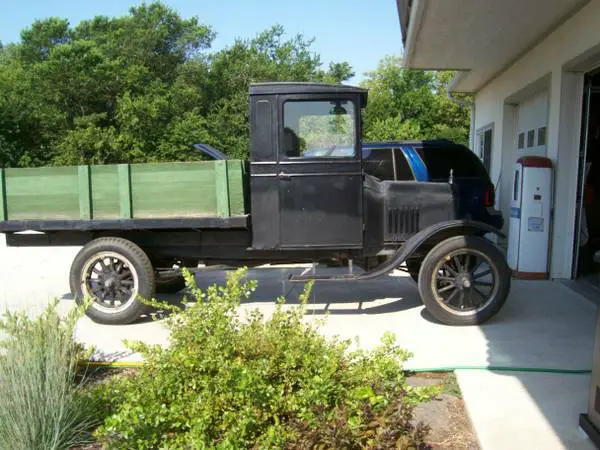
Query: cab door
point(319, 173)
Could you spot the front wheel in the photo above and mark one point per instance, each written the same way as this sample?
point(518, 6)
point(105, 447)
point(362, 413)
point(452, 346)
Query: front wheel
point(464, 280)
point(114, 273)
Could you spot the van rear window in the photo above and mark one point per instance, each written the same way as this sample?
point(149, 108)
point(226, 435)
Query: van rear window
point(440, 160)
point(381, 163)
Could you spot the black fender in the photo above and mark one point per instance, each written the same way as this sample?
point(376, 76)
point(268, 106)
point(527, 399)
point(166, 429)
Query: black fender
point(430, 236)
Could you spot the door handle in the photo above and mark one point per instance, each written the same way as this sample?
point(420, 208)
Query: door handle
point(284, 176)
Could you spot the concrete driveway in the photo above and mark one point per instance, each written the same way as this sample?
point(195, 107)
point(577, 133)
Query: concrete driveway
point(543, 325)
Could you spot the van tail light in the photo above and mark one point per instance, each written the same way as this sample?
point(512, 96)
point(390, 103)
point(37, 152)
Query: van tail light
point(489, 198)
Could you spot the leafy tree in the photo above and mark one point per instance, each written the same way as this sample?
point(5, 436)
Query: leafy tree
point(153, 36)
point(142, 87)
point(98, 92)
point(145, 86)
point(339, 72)
point(412, 104)
point(90, 143)
point(38, 41)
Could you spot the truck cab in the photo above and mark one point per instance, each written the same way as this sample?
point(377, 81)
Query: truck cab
point(307, 181)
point(303, 196)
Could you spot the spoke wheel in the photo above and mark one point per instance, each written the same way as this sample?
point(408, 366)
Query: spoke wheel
point(111, 280)
point(115, 274)
point(464, 280)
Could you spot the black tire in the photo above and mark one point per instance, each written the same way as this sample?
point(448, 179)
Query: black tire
point(112, 270)
point(413, 267)
point(169, 283)
point(464, 280)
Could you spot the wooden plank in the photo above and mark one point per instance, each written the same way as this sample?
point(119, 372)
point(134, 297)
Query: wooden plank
point(124, 177)
point(42, 193)
point(105, 191)
point(85, 192)
point(3, 215)
point(168, 190)
point(236, 184)
point(222, 188)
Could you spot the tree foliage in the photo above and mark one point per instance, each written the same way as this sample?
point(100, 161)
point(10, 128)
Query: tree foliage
point(145, 86)
point(412, 104)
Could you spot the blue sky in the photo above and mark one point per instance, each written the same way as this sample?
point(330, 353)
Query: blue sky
point(360, 32)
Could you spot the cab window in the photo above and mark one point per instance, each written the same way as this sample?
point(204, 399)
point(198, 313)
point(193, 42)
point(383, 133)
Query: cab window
point(319, 129)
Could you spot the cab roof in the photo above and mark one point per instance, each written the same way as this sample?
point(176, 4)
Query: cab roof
point(287, 87)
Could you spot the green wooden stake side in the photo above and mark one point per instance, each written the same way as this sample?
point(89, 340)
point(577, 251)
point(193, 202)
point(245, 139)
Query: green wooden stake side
point(124, 191)
point(85, 192)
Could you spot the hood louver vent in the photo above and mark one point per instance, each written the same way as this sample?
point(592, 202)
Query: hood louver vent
point(402, 222)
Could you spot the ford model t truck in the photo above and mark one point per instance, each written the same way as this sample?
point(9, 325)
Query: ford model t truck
point(302, 198)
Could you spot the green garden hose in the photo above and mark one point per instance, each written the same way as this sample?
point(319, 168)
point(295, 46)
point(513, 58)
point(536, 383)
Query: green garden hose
point(137, 365)
point(503, 369)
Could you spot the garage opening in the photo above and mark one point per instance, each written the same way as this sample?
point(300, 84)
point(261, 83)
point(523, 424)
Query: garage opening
point(587, 255)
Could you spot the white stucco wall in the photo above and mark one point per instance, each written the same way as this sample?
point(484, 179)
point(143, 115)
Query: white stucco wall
point(557, 64)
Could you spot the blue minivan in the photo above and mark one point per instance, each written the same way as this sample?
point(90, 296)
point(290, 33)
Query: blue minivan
point(437, 160)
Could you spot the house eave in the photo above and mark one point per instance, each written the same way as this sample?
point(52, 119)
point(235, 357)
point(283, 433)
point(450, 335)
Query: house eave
point(414, 10)
point(481, 44)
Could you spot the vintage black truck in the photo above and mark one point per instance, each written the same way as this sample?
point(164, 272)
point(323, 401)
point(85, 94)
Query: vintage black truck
point(302, 198)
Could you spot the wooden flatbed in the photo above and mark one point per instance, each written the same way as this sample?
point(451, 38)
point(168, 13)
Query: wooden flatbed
point(124, 196)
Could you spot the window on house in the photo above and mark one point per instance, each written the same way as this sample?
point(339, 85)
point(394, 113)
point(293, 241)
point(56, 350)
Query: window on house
point(541, 136)
point(485, 146)
point(531, 138)
point(521, 144)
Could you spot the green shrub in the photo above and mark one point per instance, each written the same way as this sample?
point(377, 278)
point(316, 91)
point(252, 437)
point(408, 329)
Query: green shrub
point(42, 403)
point(227, 381)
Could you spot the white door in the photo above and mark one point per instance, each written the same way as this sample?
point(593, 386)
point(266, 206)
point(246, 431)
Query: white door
point(532, 126)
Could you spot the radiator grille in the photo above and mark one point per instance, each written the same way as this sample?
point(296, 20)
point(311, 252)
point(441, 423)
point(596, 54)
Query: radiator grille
point(402, 221)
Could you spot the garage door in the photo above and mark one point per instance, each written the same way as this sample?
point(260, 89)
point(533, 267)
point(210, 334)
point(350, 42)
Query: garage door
point(532, 125)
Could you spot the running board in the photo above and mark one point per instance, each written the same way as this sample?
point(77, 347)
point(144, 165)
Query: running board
point(310, 274)
point(383, 269)
point(308, 277)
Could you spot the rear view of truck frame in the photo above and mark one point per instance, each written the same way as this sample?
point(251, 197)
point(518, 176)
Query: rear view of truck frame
point(303, 197)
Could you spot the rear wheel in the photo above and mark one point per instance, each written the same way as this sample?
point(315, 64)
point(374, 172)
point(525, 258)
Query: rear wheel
point(114, 273)
point(464, 280)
